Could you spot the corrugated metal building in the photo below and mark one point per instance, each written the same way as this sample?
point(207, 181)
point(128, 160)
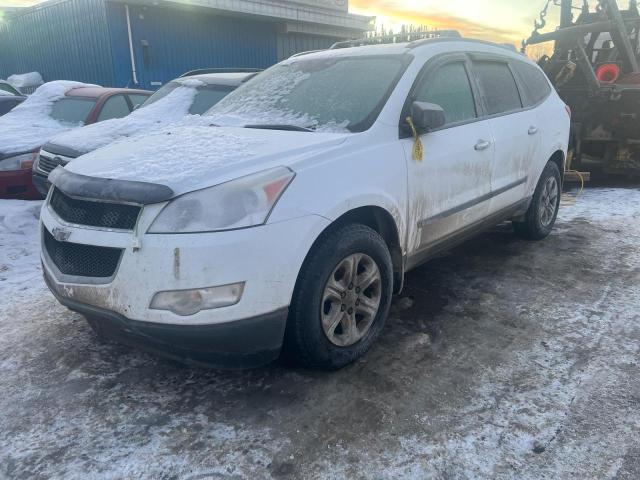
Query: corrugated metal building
point(149, 42)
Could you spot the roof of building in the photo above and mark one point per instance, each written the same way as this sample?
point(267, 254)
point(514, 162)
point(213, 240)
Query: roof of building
point(313, 17)
point(302, 16)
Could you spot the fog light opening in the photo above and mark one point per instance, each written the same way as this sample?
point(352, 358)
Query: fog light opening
point(189, 302)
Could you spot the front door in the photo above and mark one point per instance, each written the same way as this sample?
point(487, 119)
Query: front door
point(450, 188)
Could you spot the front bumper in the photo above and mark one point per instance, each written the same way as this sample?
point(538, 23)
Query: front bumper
point(40, 183)
point(249, 343)
point(17, 184)
point(266, 258)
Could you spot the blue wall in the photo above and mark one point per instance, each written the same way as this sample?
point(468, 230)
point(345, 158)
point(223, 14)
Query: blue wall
point(62, 40)
point(87, 40)
point(182, 39)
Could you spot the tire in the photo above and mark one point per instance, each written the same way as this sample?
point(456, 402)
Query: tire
point(543, 211)
point(317, 300)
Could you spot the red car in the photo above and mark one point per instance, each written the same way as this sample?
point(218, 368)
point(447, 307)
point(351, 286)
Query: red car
point(80, 106)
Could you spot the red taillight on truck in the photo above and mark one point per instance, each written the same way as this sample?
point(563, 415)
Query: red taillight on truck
point(568, 109)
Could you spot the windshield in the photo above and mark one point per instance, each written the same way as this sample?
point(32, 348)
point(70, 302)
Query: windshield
point(161, 93)
point(5, 88)
point(72, 110)
point(206, 97)
point(335, 94)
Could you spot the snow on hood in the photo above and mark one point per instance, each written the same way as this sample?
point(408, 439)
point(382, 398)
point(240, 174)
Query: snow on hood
point(195, 154)
point(167, 110)
point(28, 126)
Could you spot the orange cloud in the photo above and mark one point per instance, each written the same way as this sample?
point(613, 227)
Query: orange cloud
point(436, 19)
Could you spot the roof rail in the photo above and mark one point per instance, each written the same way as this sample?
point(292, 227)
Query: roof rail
point(300, 54)
point(203, 71)
point(397, 38)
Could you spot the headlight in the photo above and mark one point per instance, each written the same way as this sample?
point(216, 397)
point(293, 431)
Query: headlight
point(19, 162)
point(241, 203)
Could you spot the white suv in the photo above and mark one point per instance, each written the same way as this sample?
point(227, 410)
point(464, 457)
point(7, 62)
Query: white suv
point(287, 217)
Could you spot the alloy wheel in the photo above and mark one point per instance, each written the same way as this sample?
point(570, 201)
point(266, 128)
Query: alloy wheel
point(351, 300)
point(549, 201)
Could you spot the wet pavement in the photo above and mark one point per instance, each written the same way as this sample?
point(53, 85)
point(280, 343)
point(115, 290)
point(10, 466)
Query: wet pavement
point(502, 359)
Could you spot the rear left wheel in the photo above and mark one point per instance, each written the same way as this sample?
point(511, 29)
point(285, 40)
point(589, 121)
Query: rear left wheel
point(543, 210)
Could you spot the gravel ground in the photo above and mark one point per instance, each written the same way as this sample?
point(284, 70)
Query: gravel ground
point(503, 359)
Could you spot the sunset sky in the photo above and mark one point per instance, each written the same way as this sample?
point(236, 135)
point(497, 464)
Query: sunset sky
point(497, 20)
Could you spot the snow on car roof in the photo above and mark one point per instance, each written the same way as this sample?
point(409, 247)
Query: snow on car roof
point(233, 79)
point(96, 91)
point(167, 110)
point(28, 126)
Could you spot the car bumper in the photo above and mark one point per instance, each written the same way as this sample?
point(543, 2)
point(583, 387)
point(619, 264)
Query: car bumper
point(247, 343)
point(267, 259)
point(40, 183)
point(17, 184)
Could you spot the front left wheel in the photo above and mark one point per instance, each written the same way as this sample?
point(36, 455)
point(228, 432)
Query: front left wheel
point(341, 300)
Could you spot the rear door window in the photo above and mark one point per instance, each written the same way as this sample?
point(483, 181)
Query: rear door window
point(449, 88)
point(535, 82)
point(114, 107)
point(501, 93)
point(137, 99)
point(72, 110)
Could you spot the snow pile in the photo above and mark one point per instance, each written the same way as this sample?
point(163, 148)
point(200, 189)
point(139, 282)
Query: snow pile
point(263, 102)
point(167, 110)
point(28, 126)
point(26, 80)
point(19, 249)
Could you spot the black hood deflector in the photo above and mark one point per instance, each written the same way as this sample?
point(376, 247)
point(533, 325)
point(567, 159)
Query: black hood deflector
point(95, 188)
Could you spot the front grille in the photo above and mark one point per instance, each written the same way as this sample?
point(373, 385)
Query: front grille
point(46, 165)
point(82, 260)
point(94, 214)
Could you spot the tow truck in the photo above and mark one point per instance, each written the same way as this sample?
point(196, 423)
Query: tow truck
point(595, 69)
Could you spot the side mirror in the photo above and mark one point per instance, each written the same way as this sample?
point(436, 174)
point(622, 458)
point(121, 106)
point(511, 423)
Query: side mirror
point(427, 116)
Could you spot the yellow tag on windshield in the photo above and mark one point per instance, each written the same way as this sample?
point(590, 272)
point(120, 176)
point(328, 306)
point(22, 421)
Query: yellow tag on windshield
point(418, 149)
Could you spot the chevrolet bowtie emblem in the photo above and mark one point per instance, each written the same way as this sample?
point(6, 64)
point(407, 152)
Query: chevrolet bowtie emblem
point(60, 234)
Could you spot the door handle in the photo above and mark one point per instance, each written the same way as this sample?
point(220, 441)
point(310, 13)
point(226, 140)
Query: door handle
point(482, 145)
point(533, 130)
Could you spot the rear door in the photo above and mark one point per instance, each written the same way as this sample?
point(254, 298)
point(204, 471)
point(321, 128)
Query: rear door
point(449, 190)
point(515, 130)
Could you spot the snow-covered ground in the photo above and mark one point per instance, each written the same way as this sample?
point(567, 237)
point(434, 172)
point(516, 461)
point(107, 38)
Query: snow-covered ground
point(504, 359)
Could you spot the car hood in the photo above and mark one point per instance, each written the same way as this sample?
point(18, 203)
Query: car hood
point(190, 157)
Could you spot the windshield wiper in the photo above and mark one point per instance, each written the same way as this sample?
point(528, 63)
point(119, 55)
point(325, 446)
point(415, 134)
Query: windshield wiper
point(290, 128)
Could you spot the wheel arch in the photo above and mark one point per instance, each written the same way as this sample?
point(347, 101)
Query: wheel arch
point(558, 157)
point(379, 220)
